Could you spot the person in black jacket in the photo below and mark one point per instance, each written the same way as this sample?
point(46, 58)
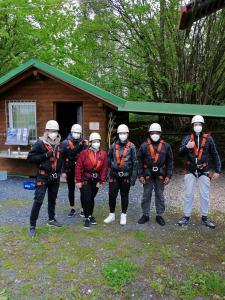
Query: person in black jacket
point(123, 172)
point(71, 147)
point(155, 168)
point(198, 147)
point(46, 154)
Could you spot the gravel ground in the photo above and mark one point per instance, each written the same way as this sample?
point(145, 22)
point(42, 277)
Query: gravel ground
point(11, 191)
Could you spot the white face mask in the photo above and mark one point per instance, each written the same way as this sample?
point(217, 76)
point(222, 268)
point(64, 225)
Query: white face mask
point(123, 137)
point(76, 135)
point(95, 145)
point(198, 128)
point(53, 135)
point(155, 137)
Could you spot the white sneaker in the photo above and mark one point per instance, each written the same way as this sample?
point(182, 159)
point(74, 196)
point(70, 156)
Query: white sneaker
point(123, 219)
point(110, 218)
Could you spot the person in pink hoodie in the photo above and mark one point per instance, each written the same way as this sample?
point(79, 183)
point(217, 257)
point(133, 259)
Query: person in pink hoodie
point(90, 173)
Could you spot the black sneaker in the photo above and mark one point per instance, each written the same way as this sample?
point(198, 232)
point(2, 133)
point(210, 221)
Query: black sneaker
point(183, 221)
point(208, 223)
point(160, 220)
point(71, 213)
point(54, 223)
point(32, 231)
point(87, 223)
point(143, 219)
point(92, 220)
point(82, 214)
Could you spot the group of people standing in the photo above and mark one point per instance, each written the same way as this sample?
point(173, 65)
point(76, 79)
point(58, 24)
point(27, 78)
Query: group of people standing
point(87, 166)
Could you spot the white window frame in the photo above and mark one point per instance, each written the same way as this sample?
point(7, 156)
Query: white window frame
point(12, 103)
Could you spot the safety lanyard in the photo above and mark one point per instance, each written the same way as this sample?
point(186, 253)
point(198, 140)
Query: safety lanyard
point(53, 159)
point(71, 144)
point(96, 163)
point(155, 155)
point(120, 160)
point(198, 152)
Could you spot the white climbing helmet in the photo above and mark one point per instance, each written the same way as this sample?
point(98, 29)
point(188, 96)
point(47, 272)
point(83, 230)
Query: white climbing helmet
point(52, 125)
point(76, 128)
point(197, 119)
point(155, 127)
point(122, 129)
point(94, 136)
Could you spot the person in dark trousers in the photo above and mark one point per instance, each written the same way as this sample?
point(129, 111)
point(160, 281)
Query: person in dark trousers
point(155, 168)
point(46, 154)
point(122, 160)
point(71, 148)
point(198, 147)
point(91, 171)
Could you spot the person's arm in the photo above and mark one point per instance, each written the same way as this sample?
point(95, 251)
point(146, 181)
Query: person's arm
point(140, 161)
point(215, 155)
point(79, 168)
point(104, 168)
point(183, 150)
point(36, 154)
point(134, 165)
point(169, 162)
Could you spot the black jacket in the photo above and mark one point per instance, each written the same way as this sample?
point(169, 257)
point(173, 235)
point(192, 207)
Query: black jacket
point(165, 161)
point(70, 155)
point(208, 151)
point(40, 155)
point(130, 162)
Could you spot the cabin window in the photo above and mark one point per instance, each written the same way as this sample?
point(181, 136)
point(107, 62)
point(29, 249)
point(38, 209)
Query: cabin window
point(22, 114)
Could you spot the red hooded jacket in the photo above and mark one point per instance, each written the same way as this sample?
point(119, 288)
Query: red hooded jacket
point(85, 166)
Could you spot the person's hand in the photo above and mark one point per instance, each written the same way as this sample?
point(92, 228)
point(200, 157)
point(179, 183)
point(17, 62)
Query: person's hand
point(78, 185)
point(190, 145)
point(99, 185)
point(215, 176)
point(142, 180)
point(64, 175)
point(166, 180)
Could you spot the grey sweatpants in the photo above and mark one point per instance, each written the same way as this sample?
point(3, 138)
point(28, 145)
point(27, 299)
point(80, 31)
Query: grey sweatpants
point(158, 186)
point(189, 189)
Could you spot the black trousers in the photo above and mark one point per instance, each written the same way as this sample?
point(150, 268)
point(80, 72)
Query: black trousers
point(70, 179)
point(88, 193)
point(39, 196)
point(116, 185)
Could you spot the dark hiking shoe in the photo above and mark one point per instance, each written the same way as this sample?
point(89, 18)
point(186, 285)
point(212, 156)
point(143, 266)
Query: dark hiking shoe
point(92, 220)
point(82, 214)
point(87, 223)
point(54, 223)
point(160, 220)
point(32, 231)
point(71, 213)
point(208, 223)
point(183, 221)
point(143, 219)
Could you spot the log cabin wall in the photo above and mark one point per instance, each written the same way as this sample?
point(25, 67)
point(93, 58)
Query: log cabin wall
point(46, 92)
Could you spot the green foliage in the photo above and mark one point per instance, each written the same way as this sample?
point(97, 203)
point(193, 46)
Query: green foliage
point(118, 273)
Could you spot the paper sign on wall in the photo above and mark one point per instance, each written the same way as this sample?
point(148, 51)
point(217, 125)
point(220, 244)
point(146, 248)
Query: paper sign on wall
point(17, 136)
point(94, 126)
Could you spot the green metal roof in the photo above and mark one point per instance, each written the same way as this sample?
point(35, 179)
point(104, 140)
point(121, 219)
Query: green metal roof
point(70, 79)
point(174, 109)
point(117, 102)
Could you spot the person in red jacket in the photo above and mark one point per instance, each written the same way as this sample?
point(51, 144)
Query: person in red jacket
point(90, 173)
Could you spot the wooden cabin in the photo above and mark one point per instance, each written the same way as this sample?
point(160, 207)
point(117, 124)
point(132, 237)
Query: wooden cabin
point(35, 92)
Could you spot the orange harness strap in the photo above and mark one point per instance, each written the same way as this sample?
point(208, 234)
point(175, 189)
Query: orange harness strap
point(53, 160)
point(155, 155)
point(96, 163)
point(120, 161)
point(198, 152)
point(71, 145)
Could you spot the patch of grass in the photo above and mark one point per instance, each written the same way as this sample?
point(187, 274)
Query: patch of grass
point(26, 289)
point(140, 235)
point(167, 254)
point(118, 273)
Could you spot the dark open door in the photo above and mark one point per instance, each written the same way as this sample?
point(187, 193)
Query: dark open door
point(67, 114)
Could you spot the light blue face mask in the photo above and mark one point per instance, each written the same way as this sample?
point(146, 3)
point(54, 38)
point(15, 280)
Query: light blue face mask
point(155, 137)
point(95, 145)
point(76, 135)
point(123, 137)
